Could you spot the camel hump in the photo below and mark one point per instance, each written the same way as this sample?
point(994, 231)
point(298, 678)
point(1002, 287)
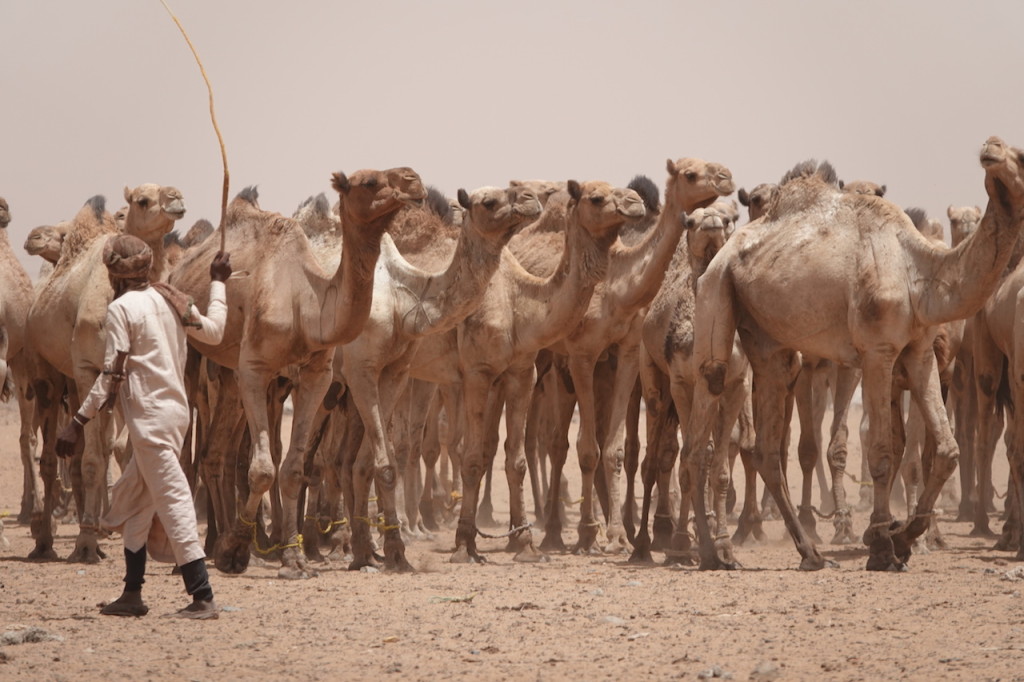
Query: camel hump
point(98, 204)
point(812, 168)
point(648, 191)
point(250, 195)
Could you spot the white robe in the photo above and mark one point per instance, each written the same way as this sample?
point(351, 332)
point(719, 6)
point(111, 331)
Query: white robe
point(151, 504)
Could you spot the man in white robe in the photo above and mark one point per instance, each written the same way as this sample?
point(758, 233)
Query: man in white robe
point(151, 504)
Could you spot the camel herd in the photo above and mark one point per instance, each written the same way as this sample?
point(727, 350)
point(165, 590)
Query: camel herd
point(403, 327)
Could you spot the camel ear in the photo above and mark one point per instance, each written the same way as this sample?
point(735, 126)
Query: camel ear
point(575, 191)
point(339, 181)
point(743, 197)
point(128, 194)
point(881, 191)
point(949, 211)
point(463, 199)
point(670, 166)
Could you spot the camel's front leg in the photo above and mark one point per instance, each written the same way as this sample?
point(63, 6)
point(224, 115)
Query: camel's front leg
point(518, 387)
point(613, 453)
point(313, 382)
point(562, 403)
point(233, 548)
point(47, 408)
point(809, 443)
point(581, 368)
point(92, 482)
point(927, 394)
point(476, 386)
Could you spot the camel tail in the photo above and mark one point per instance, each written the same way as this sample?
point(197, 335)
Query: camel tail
point(213, 119)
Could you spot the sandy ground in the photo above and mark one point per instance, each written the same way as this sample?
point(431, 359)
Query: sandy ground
point(957, 614)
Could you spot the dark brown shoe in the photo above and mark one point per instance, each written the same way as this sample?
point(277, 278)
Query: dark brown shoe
point(199, 610)
point(128, 604)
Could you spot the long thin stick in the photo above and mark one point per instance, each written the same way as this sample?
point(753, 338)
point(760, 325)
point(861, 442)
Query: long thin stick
point(216, 128)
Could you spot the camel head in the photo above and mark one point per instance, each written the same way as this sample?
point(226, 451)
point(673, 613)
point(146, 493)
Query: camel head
point(152, 211)
point(46, 241)
point(602, 209)
point(120, 217)
point(865, 187)
point(694, 183)
point(1003, 166)
point(5, 213)
point(368, 195)
point(706, 232)
point(544, 189)
point(963, 221)
point(497, 214)
point(757, 199)
point(198, 233)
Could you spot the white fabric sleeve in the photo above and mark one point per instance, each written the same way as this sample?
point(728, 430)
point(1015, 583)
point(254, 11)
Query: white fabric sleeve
point(118, 340)
point(216, 316)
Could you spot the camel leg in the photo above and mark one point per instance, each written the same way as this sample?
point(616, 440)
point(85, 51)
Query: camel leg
point(432, 494)
point(48, 388)
point(495, 404)
point(518, 386)
point(819, 393)
point(614, 451)
point(772, 376)
point(965, 411)
point(809, 444)
point(92, 480)
point(476, 387)
point(717, 473)
point(563, 403)
point(988, 370)
point(631, 459)
point(847, 380)
point(926, 391)
point(27, 442)
point(582, 371)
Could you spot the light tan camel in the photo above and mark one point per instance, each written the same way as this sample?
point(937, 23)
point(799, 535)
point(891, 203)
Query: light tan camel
point(611, 327)
point(65, 327)
point(667, 378)
point(498, 343)
point(757, 199)
point(16, 296)
point(411, 303)
point(287, 312)
point(880, 289)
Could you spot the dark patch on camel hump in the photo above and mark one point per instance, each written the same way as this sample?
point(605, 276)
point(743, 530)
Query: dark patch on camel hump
point(98, 204)
point(806, 169)
point(648, 191)
point(249, 194)
point(438, 204)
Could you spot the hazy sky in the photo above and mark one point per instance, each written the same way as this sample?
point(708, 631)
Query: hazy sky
point(105, 93)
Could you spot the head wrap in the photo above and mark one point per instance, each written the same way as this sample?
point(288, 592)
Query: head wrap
point(127, 257)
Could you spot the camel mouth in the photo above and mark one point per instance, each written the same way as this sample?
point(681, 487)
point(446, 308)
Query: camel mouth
point(990, 159)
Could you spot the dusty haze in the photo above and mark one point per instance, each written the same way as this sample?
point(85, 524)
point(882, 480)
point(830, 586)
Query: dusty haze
point(105, 94)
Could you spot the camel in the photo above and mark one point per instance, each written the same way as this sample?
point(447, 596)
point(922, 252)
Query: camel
point(498, 343)
point(289, 311)
point(16, 296)
point(411, 303)
point(65, 327)
point(667, 379)
point(757, 199)
point(46, 241)
point(611, 327)
point(847, 277)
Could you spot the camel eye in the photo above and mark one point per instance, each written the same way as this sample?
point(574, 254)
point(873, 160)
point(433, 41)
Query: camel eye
point(489, 204)
point(597, 201)
point(143, 202)
point(691, 176)
point(370, 182)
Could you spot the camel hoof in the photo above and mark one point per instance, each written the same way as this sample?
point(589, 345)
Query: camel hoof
point(232, 557)
point(463, 556)
point(553, 543)
point(717, 564)
point(296, 573)
point(886, 564)
point(87, 553)
point(981, 531)
point(680, 559)
point(816, 563)
point(358, 563)
point(641, 557)
point(43, 553)
point(531, 555)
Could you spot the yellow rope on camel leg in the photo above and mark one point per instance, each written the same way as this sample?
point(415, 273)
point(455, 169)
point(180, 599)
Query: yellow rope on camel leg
point(256, 545)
